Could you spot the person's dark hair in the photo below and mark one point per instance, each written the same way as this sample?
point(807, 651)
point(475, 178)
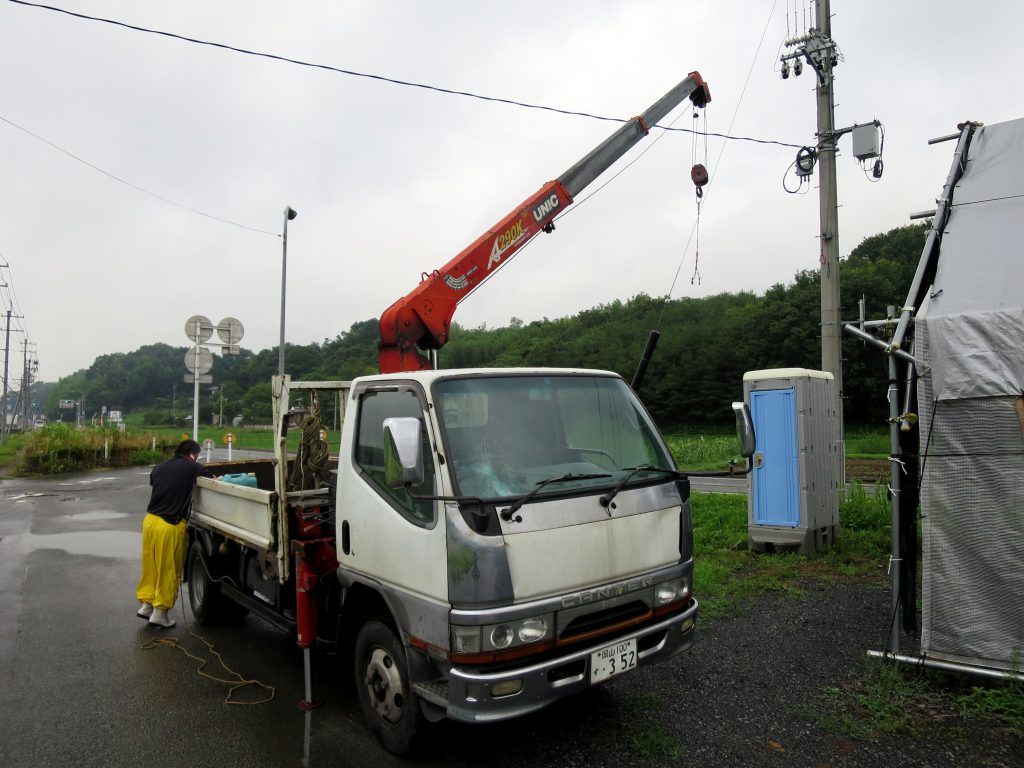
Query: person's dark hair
point(188, 448)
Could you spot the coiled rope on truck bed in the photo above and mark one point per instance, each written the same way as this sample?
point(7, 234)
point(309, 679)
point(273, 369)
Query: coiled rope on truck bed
point(311, 460)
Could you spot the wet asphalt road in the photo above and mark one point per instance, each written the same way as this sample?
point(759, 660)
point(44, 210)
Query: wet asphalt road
point(78, 688)
point(81, 684)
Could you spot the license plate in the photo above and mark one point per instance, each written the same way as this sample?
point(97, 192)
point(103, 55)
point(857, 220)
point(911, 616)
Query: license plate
point(613, 660)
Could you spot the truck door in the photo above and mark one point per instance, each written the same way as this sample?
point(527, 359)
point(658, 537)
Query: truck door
point(388, 534)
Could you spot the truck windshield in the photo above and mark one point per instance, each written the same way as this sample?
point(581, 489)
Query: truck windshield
point(504, 435)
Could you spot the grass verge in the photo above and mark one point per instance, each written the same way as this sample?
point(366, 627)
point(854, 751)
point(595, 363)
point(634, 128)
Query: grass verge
point(728, 576)
point(889, 699)
point(59, 448)
point(9, 450)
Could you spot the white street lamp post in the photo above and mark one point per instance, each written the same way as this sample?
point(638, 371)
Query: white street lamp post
point(289, 214)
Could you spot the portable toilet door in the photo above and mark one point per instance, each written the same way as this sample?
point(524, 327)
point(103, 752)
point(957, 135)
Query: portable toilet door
point(775, 486)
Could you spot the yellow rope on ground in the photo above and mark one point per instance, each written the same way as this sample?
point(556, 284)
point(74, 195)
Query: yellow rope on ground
point(239, 682)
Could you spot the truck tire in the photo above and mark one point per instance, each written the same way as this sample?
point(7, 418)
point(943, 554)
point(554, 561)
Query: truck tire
point(203, 592)
point(389, 705)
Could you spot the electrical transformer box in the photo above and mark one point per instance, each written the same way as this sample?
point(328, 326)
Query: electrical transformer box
point(865, 142)
point(794, 487)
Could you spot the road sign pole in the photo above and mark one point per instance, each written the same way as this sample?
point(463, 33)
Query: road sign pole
point(195, 397)
point(199, 361)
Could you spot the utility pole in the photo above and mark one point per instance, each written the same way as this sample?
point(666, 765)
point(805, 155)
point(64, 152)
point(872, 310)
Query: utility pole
point(26, 387)
point(817, 48)
point(831, 322)
point(7, 355)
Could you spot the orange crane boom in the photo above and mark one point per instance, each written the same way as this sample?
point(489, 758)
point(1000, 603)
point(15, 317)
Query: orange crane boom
point(421, 320)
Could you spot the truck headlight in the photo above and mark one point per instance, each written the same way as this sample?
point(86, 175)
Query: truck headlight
point(502, 636)
point(465, 639)
point(494, 642)
point(532, 630)
point(672, 591)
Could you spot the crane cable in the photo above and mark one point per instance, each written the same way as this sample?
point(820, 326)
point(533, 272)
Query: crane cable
point(718, 162)
point(699, 176)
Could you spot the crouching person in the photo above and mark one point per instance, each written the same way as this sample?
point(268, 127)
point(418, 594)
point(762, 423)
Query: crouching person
point(164, 533)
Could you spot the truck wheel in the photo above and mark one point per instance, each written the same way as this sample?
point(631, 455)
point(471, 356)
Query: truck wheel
point(389, 705)
point(203, 592)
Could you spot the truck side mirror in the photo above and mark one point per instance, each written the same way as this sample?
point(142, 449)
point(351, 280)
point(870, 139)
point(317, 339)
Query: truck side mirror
point(744, 429)
point(403, 452)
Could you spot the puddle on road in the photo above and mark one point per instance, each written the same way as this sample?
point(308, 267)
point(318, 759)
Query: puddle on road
point(26, 495)
point(114, 544)
point(98, 515)
point(89, 481)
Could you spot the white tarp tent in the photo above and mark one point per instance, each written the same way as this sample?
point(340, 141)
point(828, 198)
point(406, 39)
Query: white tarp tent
point(969, 341)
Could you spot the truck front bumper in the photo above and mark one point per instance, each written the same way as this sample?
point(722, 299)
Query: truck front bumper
point(469, 695)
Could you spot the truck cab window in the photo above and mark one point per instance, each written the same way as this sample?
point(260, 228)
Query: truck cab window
point(374, 407)
point(507, 434)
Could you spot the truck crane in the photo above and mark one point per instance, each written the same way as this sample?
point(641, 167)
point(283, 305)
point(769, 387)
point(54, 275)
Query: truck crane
point(487, 541)
point(421, 320)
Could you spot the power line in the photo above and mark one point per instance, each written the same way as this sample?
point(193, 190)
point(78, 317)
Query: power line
point(383, 78)
point(130, 184)
point(12, 298)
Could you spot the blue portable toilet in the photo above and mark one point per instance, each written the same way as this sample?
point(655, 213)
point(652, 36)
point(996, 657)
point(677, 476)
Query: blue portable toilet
point(794, 488)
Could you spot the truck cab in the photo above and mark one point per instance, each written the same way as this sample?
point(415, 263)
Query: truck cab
point(486, 541)
point(523, 533)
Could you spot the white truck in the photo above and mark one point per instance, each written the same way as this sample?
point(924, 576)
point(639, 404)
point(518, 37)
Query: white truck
point(487, 540)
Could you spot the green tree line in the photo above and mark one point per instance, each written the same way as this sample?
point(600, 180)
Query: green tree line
point(706, 346)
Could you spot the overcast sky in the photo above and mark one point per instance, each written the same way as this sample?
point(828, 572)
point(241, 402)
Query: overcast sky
point(392, 181)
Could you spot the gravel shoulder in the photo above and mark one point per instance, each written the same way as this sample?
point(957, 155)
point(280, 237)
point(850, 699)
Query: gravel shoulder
point(750, 693)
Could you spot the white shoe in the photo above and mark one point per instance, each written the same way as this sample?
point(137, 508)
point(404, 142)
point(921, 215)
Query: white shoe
point(161, 619)
point(145, 610)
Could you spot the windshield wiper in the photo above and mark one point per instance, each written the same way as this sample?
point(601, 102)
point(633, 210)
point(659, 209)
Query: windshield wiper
point(606, 499)
point(507, 512)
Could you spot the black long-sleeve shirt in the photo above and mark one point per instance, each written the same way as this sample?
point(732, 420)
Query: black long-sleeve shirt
point(172, 481)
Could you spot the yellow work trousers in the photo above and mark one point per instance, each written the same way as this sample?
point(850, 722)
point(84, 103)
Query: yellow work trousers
point(163, 556)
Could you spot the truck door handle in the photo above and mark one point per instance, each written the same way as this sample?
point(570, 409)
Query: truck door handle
point(346, 544)
point(758, 459)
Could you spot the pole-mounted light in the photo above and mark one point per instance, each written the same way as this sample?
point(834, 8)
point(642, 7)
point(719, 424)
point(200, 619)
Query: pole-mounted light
point(289, 215)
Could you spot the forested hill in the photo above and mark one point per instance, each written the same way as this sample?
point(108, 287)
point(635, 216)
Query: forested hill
point(706, 346)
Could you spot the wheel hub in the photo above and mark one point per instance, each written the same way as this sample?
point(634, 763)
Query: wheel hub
point(384, 684)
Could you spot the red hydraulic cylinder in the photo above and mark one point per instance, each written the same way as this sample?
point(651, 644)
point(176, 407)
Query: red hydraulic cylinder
point(305, 603)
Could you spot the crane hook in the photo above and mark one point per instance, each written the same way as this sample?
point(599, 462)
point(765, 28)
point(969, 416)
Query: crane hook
point(699, 175)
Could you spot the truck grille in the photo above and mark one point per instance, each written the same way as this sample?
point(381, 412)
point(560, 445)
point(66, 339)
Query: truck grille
point(605, 620)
